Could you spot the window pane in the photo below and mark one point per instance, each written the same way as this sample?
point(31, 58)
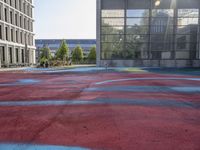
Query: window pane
point(138, 13)
point(188, 13)
point(161, 54)
point(137, 21)
point(113, 4)
point(161, 46)
point(187, 54)
point(187, 21)
point(113, 13)
point(137, 46)
point(112, 38)
point(112, 21)
point(112, 30)
point(161, 38)
point(138, 4)
point(112, 46)
point(137, 29)
point(183, 55)
point(164, 4)
point(137, 38)
point(186, 46)
point(184, 38)
point(189, 29)
point(162, 13)
point(161, 29)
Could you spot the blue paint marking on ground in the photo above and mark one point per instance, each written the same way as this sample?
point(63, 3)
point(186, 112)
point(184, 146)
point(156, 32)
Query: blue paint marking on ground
point(37, 147)
point(144, 89)
point(62, 70)
point(103, 101)
point(28, 81)
point(21, 82)
point(135, 79)
point(186, 89)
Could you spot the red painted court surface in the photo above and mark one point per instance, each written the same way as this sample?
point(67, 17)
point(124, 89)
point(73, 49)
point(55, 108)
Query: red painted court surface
point(100, 110)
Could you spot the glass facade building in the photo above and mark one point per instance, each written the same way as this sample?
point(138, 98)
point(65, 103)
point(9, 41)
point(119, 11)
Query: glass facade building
point(148, 33)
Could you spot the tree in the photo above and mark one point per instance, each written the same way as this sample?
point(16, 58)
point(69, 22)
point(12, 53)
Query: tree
point(77, 54)
point(63, 52)
point(92, 55)
point(45, 55)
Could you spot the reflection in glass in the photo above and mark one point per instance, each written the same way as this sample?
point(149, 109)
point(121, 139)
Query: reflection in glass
point(137, 29)
point(162, 33)
point(187, 21)
point(188, 13)
point(111, 50)
point(162, 29)
point(112, 21)
point(138, 13)
point(132, 41)
point(168, 38)
point(112, 13)
point(136, 50)
point(112, 38)
point(112, 30)
point(137, 21)
point(162, 46)
point(162, 13)
point(137, 38)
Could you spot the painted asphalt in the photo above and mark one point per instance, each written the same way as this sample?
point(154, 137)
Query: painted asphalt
point(21, 82)
point(144, 89)
point(137, 102)
point(98, 109)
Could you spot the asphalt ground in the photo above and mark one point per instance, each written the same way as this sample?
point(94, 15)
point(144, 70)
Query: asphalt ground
point(98, 109)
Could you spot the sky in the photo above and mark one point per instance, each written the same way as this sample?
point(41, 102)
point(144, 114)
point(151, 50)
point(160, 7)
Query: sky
point(65, 19)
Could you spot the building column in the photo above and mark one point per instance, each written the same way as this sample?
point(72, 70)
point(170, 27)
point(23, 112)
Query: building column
point(19, 55)
point(3, 32)
point(14, 55)
point(2, 11)
point(34, 59)
point(29, 55)
point(98, 44)
point(7, 62)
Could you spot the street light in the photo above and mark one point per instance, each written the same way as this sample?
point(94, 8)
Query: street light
point(157, 3)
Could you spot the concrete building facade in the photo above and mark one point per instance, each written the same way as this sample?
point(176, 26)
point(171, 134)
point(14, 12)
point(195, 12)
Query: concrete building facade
point(148, 33)
point(17, 46)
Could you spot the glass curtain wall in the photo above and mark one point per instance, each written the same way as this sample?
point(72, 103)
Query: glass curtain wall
point(162, 33)
point(142, 30)
point(112, 34)
point(187, 30)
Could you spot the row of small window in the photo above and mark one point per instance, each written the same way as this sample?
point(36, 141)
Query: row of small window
point(153, 37)
point(10, 54)
point(22, 6)
point(155, 46)
point(190, 29)
point(153, 55)
point(15, 36)
point(17, 20)
point(145, 21)
point(188, 13)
